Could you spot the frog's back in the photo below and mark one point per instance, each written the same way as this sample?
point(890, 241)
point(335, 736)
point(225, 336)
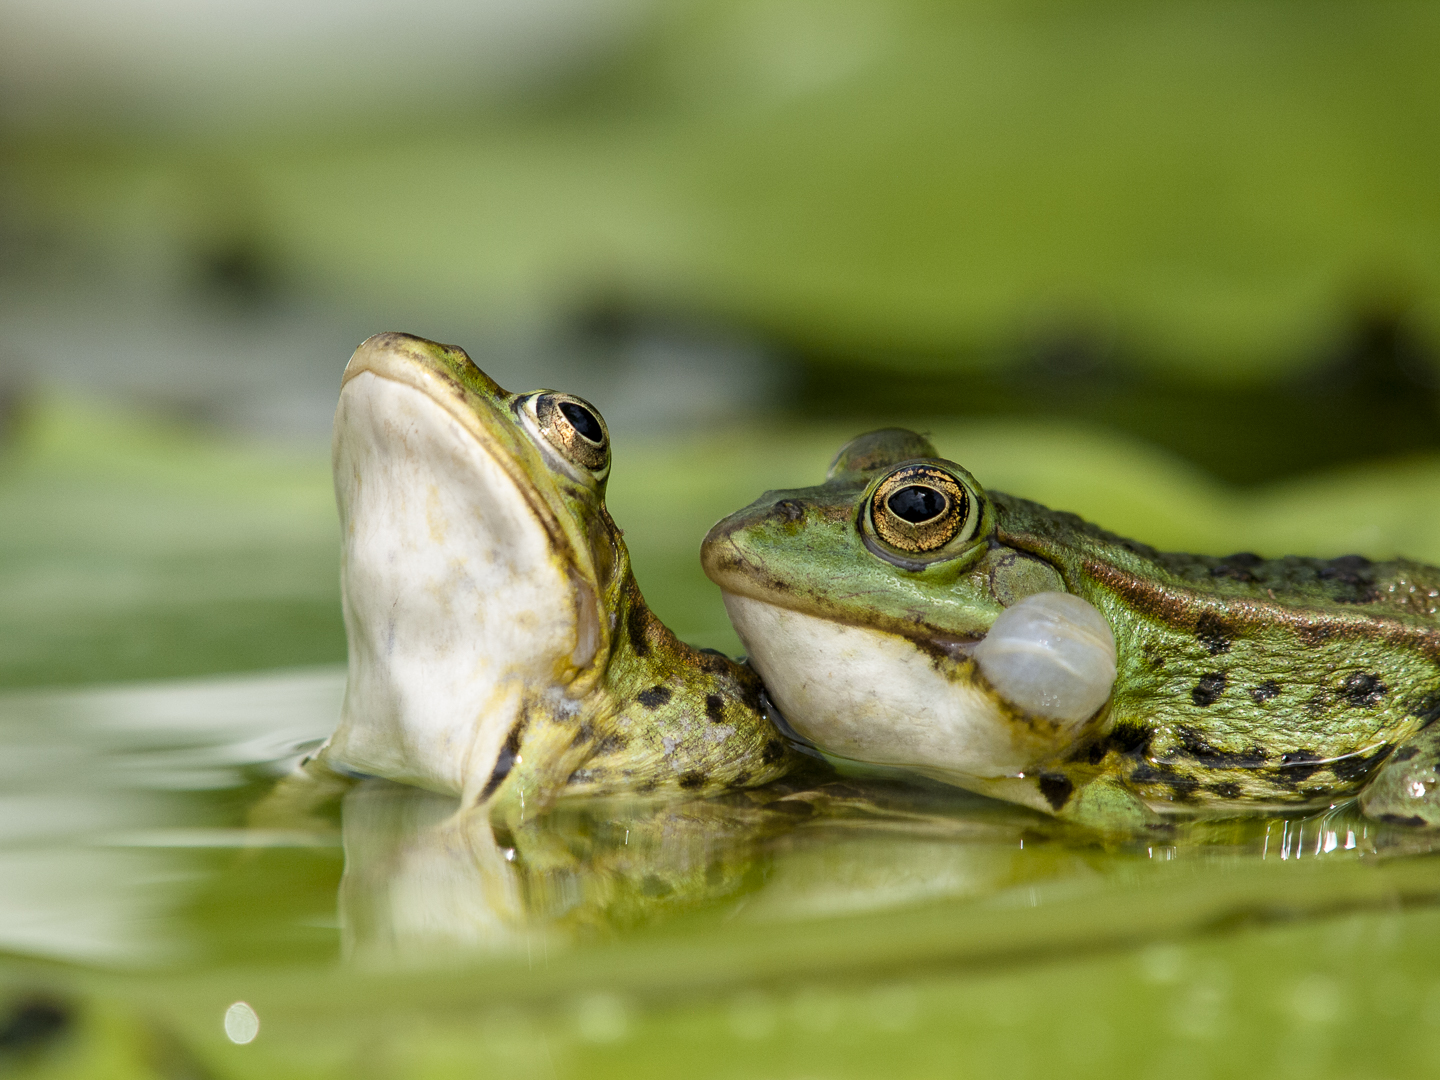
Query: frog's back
point(1241, 679)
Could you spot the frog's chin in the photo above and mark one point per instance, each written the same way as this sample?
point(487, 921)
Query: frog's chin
point(874, 696)
point(458, 607)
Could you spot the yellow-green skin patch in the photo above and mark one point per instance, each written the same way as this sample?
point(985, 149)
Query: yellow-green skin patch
point(1242, 683)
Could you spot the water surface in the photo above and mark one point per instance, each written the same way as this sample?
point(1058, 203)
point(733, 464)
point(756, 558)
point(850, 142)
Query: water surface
point(153, 874)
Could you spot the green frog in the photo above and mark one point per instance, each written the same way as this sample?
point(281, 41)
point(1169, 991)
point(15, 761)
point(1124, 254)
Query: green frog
point(901, 615)
point(499, 647)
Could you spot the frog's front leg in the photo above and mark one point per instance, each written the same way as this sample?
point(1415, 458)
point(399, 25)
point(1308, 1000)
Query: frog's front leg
point(544, 746)
point(1105, 803)
point(1406, 790)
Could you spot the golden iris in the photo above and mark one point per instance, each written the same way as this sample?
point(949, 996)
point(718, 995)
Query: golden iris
point(919, 508)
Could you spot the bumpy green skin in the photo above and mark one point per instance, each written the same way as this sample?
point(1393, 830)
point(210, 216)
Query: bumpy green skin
point(1270, 683)
point(666, 717)
point(1242, 683)
point(649, 712)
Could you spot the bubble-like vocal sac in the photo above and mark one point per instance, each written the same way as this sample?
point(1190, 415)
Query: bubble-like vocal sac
point(1051, 654)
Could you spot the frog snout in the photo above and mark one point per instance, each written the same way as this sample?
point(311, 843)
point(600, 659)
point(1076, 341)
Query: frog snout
point(1051, 654)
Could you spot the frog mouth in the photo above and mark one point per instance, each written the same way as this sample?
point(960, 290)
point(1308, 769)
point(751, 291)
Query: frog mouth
point(410, 362)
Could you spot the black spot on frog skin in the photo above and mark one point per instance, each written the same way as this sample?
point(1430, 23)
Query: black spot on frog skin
point(1297, 766)
point(1193, 743)
point(1266, 691)
point(1407, 753)
point(654, 885)
point(1226, 789)
point(714, 661)
point(635, 626)
point(654, 697)
point(1211, 631)
point(505, 760)
point(1056, 788)
point(1362, 690)
point(715, 708)
point(692, 780)
point(1181, 785)
point(773, 752)
point(1131, 738)
point(753, 697)
point(1357, 766)
point(1208, 690)
point(1124, 738)
point(740, 779)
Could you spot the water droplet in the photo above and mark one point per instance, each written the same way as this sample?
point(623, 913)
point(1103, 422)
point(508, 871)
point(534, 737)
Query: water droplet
point(241, 1023)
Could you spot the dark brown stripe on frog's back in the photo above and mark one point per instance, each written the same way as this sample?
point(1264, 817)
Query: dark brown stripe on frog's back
point(1400, 589)
point(1230, 702)
point(1217, 620)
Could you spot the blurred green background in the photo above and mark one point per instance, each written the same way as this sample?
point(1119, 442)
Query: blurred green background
point(1175, 266)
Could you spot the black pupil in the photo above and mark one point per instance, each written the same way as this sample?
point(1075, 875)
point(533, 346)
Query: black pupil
point(915, 503)
point(583, 421)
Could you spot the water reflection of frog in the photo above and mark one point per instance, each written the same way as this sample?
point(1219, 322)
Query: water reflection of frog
point(898, 613)
point(499, 647)
point(423, 882)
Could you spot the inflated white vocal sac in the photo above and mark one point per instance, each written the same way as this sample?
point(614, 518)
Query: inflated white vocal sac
point(1051, 654)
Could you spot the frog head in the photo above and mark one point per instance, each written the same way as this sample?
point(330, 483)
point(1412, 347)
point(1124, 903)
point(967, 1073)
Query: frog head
point(892, 625)
point(499, 647)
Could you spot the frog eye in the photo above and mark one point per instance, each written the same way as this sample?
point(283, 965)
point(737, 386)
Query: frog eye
point(574, 428)
point(918, 509)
